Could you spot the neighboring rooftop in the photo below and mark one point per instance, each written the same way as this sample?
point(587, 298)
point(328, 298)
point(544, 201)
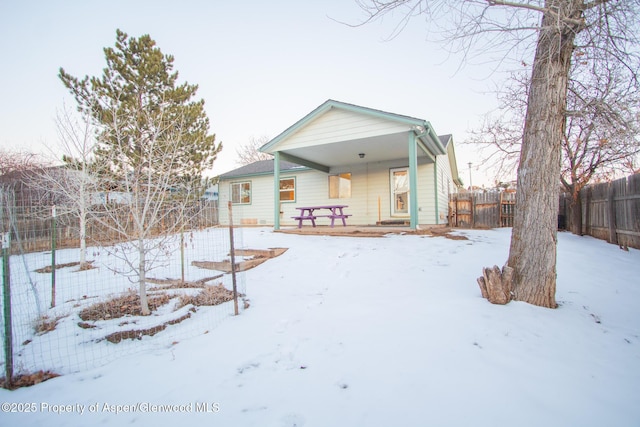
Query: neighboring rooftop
point(262, 167)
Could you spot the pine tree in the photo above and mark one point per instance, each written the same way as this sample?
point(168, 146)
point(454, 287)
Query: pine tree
point(153, 144)
point(137, 99)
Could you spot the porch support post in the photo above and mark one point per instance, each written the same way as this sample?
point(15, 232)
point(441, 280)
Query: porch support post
point(413, 180)
point(276, 190)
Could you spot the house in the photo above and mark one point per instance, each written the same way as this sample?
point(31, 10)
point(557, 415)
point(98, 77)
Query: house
point(210, 194)
point(386, 167)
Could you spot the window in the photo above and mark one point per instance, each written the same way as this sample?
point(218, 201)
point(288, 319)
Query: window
point(399, 179)
point(241, 193)
point(288, 190)
point(340, 186)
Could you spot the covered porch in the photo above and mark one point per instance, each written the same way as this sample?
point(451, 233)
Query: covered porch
point(384, 149)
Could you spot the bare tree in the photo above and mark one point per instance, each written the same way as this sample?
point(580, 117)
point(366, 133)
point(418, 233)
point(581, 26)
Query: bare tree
point(153, 145)
point(18, 161)
point(153, 200)
point(499, 136)
point(602, 130)
point(16, 169)
point(249, 153)
point(554, 28)
point(73, 184)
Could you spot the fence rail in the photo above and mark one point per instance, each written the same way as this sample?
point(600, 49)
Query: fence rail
point(482, 210)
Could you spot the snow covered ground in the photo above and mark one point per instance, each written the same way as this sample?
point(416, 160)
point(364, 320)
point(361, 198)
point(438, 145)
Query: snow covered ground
point(390, 331)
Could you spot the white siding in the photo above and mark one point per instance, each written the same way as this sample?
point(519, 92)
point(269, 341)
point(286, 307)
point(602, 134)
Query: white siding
point(259, 211)
point(445, 186)
point(369, 184)
point(426, 198)
point(339, 125)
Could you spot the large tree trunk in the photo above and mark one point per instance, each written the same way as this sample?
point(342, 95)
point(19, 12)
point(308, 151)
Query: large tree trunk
point(532, 254)
point(576, 214)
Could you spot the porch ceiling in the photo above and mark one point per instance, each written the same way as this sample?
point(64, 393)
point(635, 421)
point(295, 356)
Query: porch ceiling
point(375, 149)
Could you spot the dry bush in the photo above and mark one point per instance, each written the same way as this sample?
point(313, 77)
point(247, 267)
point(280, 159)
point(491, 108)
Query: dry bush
point(26, 380)
point(125, 305)
point(209, 295)
point(46, 324)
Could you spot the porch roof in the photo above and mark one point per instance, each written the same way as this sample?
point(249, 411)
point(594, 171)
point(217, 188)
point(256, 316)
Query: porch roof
point(376, 136)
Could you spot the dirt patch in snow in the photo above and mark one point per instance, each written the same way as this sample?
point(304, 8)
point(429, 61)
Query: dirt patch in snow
point(87, 266)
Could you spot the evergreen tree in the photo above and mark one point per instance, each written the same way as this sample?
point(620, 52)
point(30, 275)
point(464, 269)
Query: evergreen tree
point(137, 100)
point(153, 144)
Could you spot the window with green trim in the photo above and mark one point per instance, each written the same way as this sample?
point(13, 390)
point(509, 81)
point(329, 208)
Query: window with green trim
point(241, 193)
point(288, 190)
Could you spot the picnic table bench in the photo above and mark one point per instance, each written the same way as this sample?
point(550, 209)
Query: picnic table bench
point(309, 213)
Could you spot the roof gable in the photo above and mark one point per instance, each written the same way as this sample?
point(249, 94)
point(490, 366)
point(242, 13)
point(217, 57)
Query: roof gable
point(332, 107)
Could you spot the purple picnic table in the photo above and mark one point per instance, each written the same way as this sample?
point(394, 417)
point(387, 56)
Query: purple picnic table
point(308, 213)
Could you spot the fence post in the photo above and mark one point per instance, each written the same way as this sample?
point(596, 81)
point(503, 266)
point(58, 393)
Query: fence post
point(53, 256)
point(611, 205)
point(473, 210)
point(182, 253)
point(587, 212)
point(233, 260)
point(6, 292)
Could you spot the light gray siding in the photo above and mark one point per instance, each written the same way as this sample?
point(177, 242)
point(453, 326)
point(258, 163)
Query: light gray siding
point(370, 199)
point(340, 125)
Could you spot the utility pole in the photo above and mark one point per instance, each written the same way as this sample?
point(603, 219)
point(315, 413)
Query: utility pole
point(470, 182)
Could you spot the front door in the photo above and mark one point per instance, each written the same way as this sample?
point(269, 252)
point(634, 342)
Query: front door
point(399, 179)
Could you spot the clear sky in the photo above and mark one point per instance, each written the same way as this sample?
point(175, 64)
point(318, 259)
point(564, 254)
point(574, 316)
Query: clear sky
point(260, 66)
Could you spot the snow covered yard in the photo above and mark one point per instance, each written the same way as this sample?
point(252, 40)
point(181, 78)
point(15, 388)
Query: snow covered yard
point(388, 331)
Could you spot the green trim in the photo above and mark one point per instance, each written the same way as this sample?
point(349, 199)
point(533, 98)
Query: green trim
point(436, 146)
point(276, 187)
point(259, 174)
point(303, 162)
point(413, 180)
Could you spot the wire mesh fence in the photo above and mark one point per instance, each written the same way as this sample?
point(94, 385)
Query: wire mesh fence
point(63, 315)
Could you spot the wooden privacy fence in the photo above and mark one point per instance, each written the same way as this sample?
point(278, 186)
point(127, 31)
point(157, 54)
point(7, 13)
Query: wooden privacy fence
point(611, 211)
point(482, 210)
